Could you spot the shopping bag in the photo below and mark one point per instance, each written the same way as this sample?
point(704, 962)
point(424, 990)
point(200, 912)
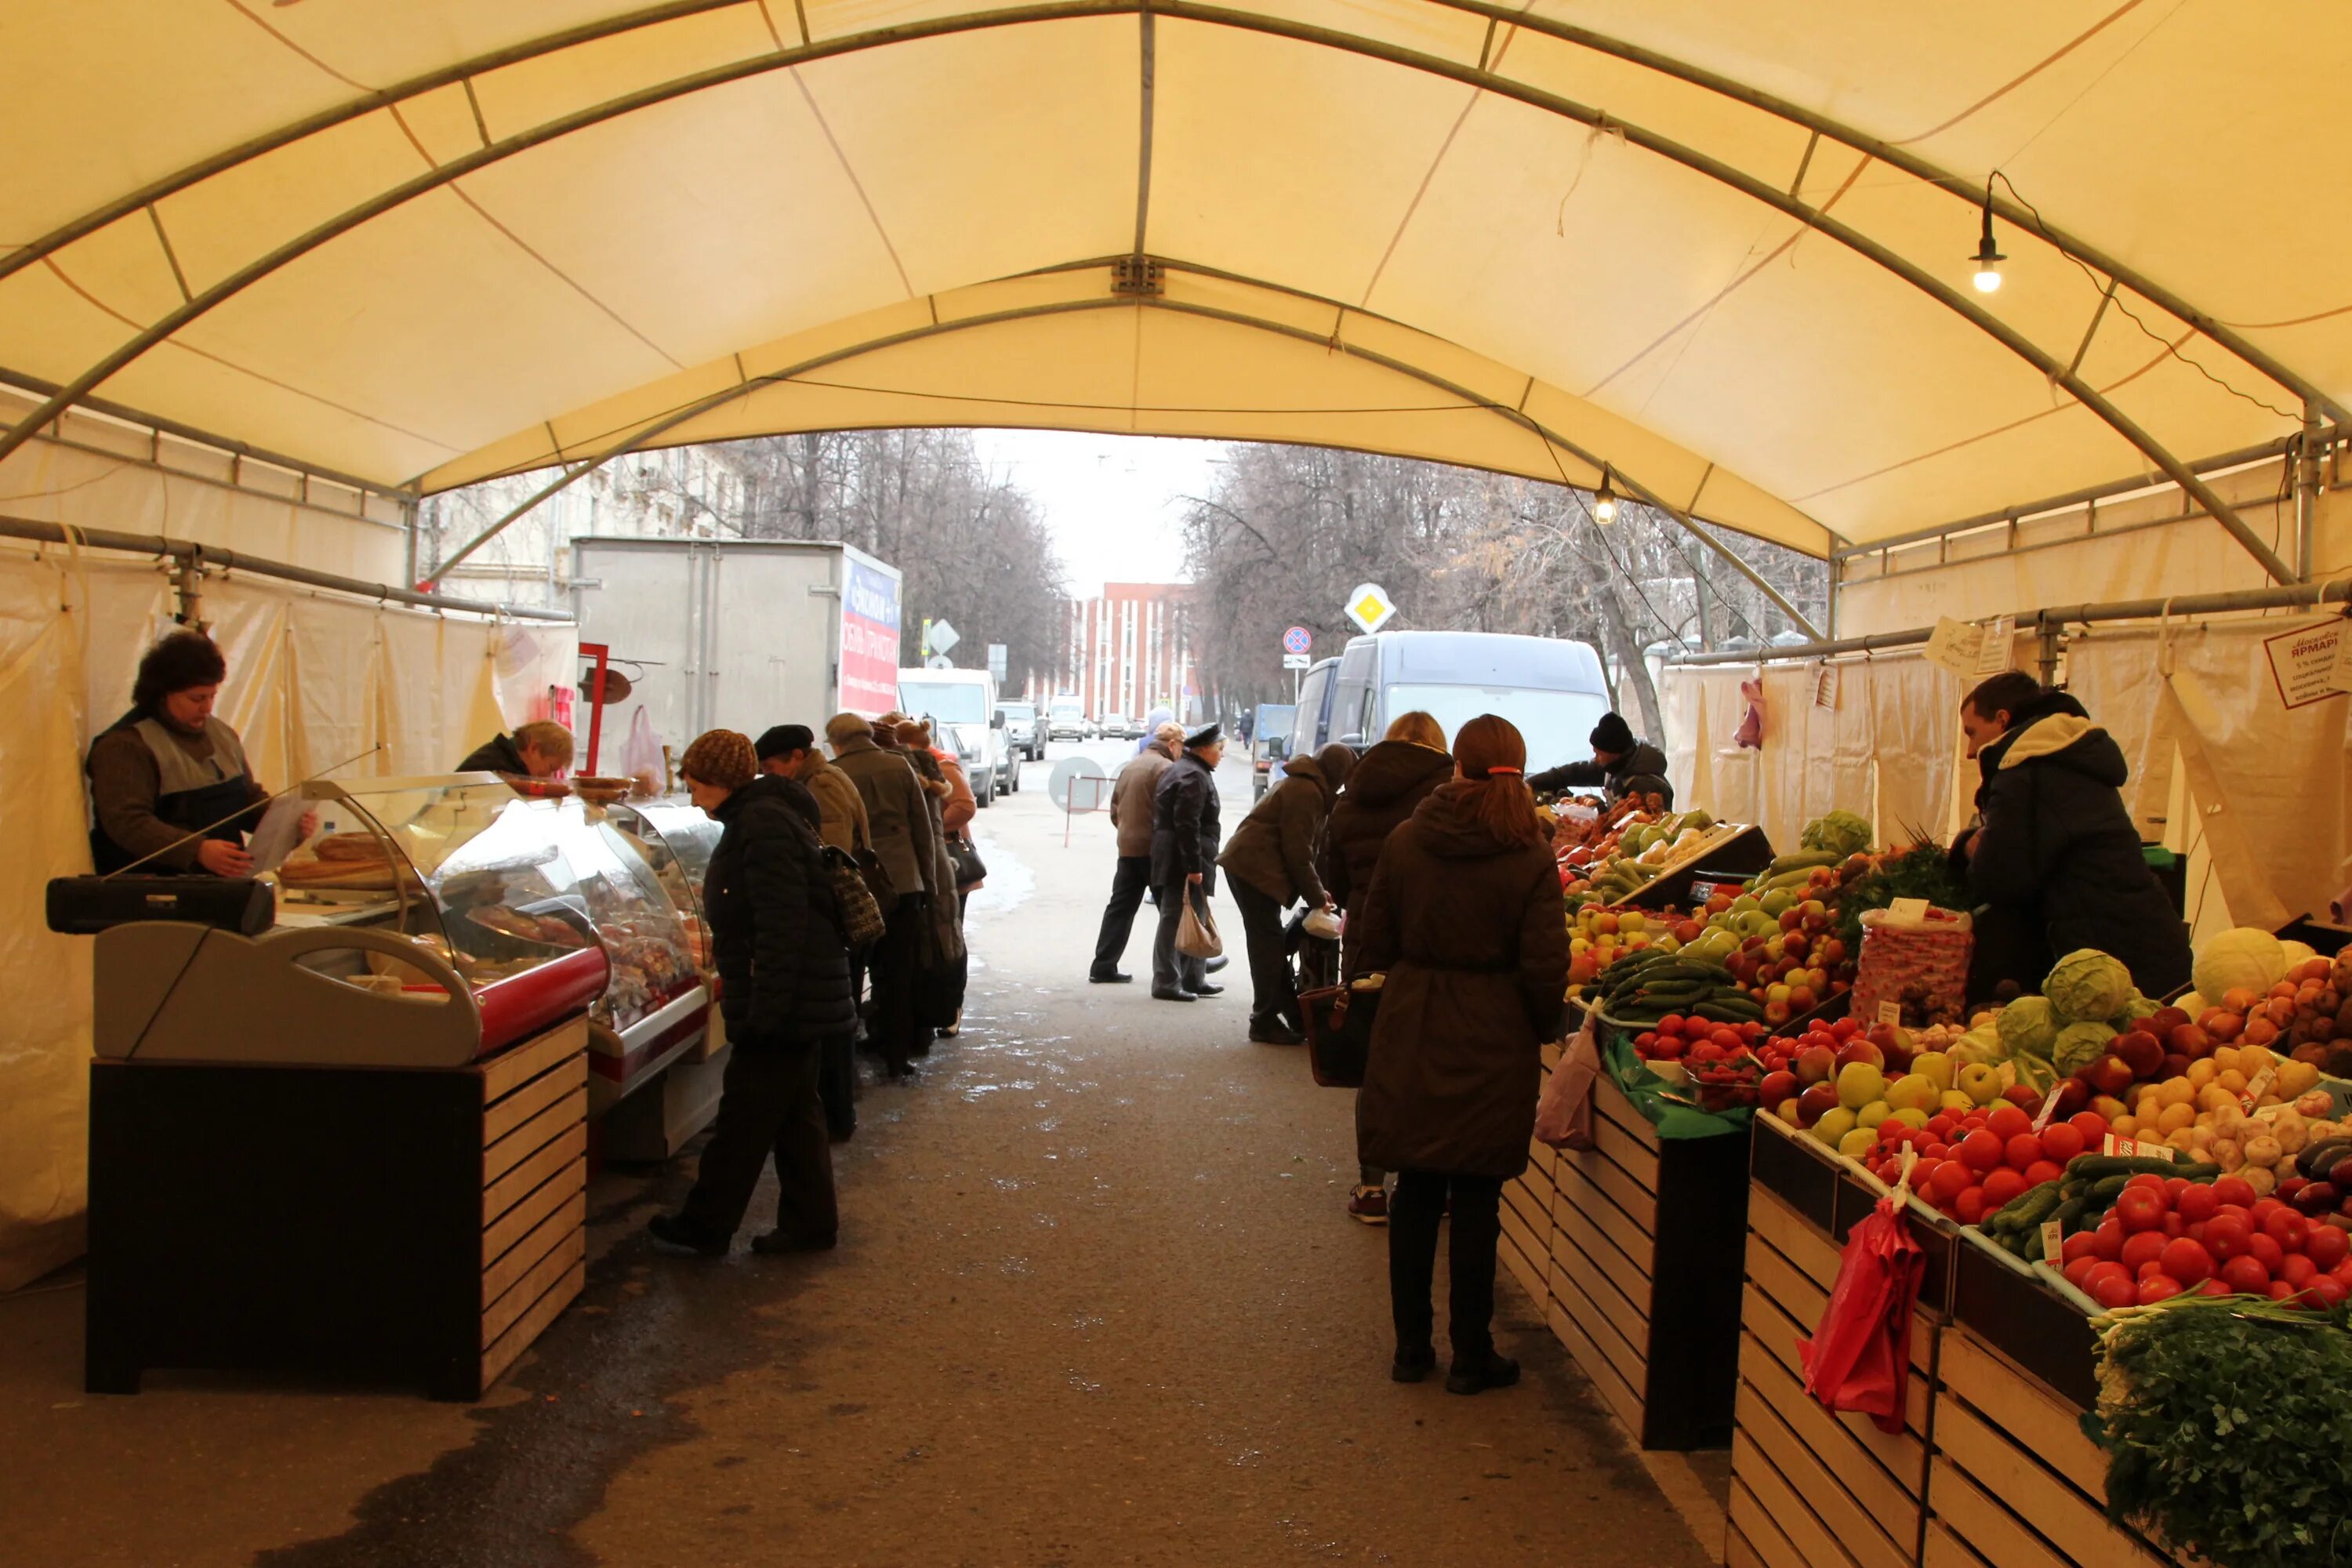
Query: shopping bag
point(971, 870)
point(1564, 1113)
point(1858, 1357)
point(1338, 1020)
point(859, 913)
point(642, 758)
point(1196, 932)
point(1921, 968)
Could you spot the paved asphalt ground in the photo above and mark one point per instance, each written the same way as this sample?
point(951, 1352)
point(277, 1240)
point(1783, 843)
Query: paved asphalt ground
point(1096, 1303)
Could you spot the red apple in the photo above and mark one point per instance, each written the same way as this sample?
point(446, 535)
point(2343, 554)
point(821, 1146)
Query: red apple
point(2019, 1094)
point(2141, 1051)
point(1858, 1050)
point(2108, 1075)
point(2163, 1020)
point(2073, 1094)
point(1778, 1087)
point(1815, 1102)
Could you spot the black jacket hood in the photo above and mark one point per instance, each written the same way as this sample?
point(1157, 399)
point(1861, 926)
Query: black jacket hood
point(2055, 731)
point(1391, 770)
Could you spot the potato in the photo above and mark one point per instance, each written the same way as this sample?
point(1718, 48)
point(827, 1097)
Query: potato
point(2259, 1177)
point(2252, 1059)
point(2200, 1138)
point(2124, 1126)
point(2231, 1079)
point(2175, 1118)
point(2177, 1091)
point(2226, 1154)
point(2182, 1139)
point(2201, 1072)
point(2263, 1151)
point(2224, 1059)
point(2213, 1096)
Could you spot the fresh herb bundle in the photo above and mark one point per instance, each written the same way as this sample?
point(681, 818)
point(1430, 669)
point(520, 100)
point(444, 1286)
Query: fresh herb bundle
point(1921, 870)
point(2226, 1421)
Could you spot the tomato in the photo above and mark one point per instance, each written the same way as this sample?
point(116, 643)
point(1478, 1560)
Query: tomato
point(2297, 1270)
point(2061, 1142)
point(2265, 1208)
point(2196, 1201)
point(2233, 1190)
point(2212, 1287)
point(2324, 1291)
point(2006, 1121)
point(2092, 1126)
point(2147, 1180)
point(2140, 1208)
point(1933, 1151)
point(1970, 1206)
point(1981, 1151)
point(2114, 1290)
point(2000, 1186)
point(2173, 1187)
point(2078, 1273)
point(1942, 1126)
point(2226, 1236)
point(2327, 1247)
point(2279, 1290)
point(2174, 1225)
point(1672, 1024)
point(2020, 1150)
point(2142, 1247)
point(2157, 1287)
point(1949, 1181)
point(2082, 1244)
point(2286, 1228)
point(2261, 1244)
point(2107, 1241)
point(2246, 1276)
point(2187, 1262)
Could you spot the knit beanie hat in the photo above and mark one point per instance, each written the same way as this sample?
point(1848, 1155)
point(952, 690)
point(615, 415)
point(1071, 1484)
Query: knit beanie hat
point(721, 758)
point(1613, 734)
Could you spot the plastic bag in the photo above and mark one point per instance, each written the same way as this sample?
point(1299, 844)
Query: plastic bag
point(1920, 971)
point(1564, 1113)
point(1750, 733)
point(1858, 1357)
point(641, 756)
point(1196, 932)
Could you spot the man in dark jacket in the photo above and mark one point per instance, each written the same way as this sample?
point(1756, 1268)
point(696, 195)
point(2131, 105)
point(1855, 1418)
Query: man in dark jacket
point(1270, 865)
point(2056, 860)
point(784, 975)
point(898, 818)
point(1184, 841)
point(1132, 796)
point(1618, 760)
point(538, 750)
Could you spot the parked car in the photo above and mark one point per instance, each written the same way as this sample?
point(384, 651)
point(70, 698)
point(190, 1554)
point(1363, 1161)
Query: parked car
point(1114, 727)
point(1025, 730)
point(1067, 720)
point(1551, 688)
point(1269, 743)
point(961, 706)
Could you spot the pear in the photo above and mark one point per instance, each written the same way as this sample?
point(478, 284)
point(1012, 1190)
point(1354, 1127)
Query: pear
point(1914, 1091)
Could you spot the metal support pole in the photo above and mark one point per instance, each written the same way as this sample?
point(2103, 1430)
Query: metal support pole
point(2308, 448)
point(2049, 635)
point(188, 583)
point(601, 653)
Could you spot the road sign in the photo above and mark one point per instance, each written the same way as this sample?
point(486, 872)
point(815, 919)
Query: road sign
point(939, 661)
point(1368, 606)
point(944, 636)
point(1297, 639)
point(1078, 783)
point(1297, 661)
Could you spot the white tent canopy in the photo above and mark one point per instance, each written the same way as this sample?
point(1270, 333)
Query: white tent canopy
point(1722, 248)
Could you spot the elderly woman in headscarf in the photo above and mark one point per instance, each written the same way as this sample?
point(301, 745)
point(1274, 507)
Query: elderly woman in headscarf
point(1271, 864)
point(941, 952)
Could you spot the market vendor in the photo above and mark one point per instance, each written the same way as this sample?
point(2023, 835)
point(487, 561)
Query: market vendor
point(1618, 760)
point(538, 750)
point(2054, 862)
point(170, 769)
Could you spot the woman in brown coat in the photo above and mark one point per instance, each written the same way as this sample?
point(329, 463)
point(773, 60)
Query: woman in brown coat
point(1464, 916)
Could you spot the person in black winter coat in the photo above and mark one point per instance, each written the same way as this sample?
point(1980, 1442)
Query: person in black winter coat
point(1618, 759)
point(1184, 842)
point(783, 977)
point(2055, 861)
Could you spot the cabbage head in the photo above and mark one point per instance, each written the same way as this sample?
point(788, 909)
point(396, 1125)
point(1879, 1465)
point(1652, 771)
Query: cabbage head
point(2080, 1045)
point(2087, 983)
point(2026, 1024)
point(1841, 832)
point(2137, 1008)
point(2247, 958)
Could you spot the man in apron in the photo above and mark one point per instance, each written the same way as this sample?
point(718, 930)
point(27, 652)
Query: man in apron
point(168, 768)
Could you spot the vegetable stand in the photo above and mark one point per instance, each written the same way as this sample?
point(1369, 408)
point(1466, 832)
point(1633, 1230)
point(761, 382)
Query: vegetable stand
point(1632, 1250)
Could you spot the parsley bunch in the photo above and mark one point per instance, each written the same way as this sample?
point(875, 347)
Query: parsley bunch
point(2228, 1423)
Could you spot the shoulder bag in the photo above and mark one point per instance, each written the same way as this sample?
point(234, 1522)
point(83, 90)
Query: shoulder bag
point(1196, 932)
point(853, 899)
point(1339, 1021)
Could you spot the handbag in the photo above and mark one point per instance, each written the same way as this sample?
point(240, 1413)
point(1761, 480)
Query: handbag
point(971, 870)
point(1339, 1021)
point(1564, 1110)
point(859, 913)
point(1196, 930)
point(876, 876)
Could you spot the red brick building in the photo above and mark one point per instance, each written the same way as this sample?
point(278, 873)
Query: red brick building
point(1130, 651)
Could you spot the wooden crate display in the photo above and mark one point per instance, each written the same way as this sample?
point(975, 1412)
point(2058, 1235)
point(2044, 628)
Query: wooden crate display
point(1636, 1246)
point(1810, 1488)
point(2015, 1484)
point(421, 1227)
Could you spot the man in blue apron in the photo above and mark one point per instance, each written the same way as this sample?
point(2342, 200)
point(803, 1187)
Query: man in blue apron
point(168, 768)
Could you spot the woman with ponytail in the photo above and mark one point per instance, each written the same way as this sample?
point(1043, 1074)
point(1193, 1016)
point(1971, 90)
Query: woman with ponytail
point(1464, 916)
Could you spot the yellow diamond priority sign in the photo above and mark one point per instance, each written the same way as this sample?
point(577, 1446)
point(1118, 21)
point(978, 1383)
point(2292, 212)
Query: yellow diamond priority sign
point(1369, 607)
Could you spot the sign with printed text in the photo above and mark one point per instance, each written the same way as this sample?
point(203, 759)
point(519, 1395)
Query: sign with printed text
point(1297, 661)
point(1954, 646)
point(2304, 662)
point(869, 638)
point(1994, 652)
point(2139, 1149)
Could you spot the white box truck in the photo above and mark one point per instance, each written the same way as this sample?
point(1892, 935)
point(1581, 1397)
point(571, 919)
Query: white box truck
point(736, 634)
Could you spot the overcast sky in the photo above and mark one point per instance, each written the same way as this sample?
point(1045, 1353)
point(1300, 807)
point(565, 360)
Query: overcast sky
point(1112, 501)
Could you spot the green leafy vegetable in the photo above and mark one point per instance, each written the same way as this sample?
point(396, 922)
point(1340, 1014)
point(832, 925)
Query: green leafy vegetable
point(1841, 832)
point(2226, 1420)
point(1919, 871)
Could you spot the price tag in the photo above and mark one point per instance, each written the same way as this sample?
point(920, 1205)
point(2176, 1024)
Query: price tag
point(2259, 1087)
point(2141, 1149)
point(1956, 645)
point(1999, 644)
point(1907, 913)
point(1825, 686)
point(2048, 1106)
point(2053, 1242)
point(2270, 1112)
point(1890, 1013)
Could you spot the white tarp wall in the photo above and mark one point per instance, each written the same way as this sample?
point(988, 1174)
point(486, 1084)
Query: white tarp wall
point(312, 680)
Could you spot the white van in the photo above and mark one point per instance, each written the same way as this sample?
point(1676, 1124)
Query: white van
point(1550, 687)
point(961, 706)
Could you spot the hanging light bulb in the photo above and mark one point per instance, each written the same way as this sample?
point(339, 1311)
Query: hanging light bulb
point(1987, 259)
point(1604, 501)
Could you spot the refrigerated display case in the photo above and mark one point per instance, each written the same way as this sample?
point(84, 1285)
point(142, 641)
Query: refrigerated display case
point(665, 1090)
point(641, 876)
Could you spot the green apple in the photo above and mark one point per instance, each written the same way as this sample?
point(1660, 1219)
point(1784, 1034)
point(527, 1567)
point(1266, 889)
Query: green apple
point(1980, 1082)
point(1858, 1143)
point(1873, 1114)
point(1835, 1124)
point(1910, 1116)
point(1858, 1084)
point(1914, 1091)
point(1953, 1100)
point(1934, 1066)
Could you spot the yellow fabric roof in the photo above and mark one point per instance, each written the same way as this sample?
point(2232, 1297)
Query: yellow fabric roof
point(1720, 247)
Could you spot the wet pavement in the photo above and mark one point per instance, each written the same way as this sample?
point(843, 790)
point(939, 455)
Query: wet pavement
point(1097, 1302)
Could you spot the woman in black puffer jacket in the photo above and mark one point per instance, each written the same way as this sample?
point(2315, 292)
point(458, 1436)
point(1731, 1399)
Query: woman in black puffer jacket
point(784, 975)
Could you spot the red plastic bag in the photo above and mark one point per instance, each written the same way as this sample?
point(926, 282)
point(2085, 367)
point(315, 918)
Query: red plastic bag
point(1859, 1356)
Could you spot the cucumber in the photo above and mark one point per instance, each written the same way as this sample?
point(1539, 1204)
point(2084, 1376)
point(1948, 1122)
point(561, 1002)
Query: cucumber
point(2100, 1165)
point(1800, 860)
